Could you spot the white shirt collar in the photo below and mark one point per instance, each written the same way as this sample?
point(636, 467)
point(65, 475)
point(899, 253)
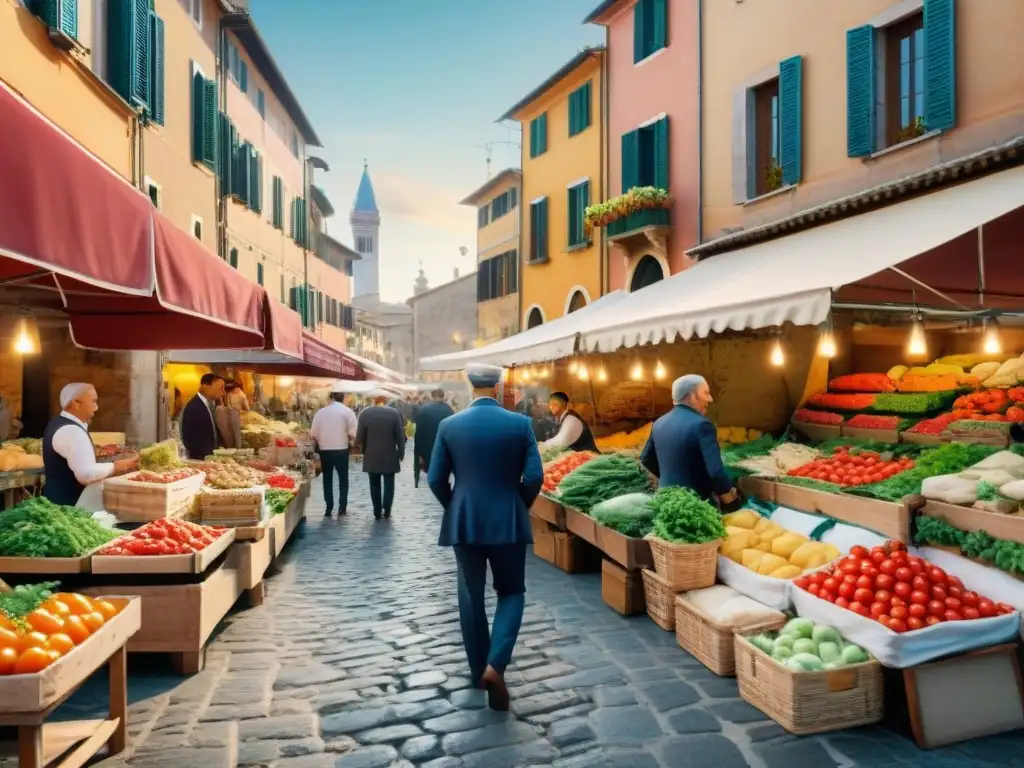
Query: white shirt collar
point(202, 397)
point(75, 419)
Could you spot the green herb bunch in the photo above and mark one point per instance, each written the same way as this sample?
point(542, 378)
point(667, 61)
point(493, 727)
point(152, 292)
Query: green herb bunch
point(39, 528)
point(25, 598)
point(683, 517)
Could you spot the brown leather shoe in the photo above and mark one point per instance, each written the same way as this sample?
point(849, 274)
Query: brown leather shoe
point(497, 691)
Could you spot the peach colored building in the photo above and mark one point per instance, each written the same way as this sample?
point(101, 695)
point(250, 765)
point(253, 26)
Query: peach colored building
point(652, 133)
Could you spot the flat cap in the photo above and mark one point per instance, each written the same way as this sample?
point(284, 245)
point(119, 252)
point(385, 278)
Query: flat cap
point(482, 376)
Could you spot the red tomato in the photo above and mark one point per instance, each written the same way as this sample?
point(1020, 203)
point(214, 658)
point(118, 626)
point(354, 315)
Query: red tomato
point(952, 615)
point(936, 575)
point(879, 555)
point(897, 600)
point(826, 595)
point(904, 574)
point(954, 591)
point(917, 610)
point(919, 598)
point(850, 578)
point(883, 620)
point(849, 565)
point(897, 625)
point(1003, 609)
point(859, 608)
point(986, 607)
point(936, 608)
point(842, 602)
point(915, 564)
point(877, 609)
point(971, 614)
point(898, 612)
point(903, 590)
point(865, 596)
point(888, 567)
point(831, 584)
point(859, 551)
point(814, 589)
point(939, 593)
point(921, 584)
point(931, 621)
point(818, 577)
point(846, 590)
point(883, 596)
point(865, 582)
point(970, 599)
point(884, 581)
point(953, 604)
point(802, 582)
point(915, 623)
point(868, 568)
point(953, 581)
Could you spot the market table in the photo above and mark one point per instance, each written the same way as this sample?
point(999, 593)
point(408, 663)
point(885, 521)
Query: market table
point(282, 526)
point(30, 480)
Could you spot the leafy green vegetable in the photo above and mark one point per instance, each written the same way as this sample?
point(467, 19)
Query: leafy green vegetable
point(934, 530)
point(25, 598)
point(1005, 555)
point(912, 403)
point(683, 517)
point(760, 447)
point(278, 500)
point(600, 479)
point(630, 514)
point(987, 491)
point(945, 459)
point(39, 528)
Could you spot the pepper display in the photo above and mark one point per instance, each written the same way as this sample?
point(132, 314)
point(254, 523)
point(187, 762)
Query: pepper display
point(164, 537)
point(807, 416)
point(862, 382)
point(833, 402)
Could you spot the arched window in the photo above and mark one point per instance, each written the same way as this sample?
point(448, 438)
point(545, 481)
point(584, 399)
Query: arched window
point(578, 301)
point(535, 318)
point(648, 271)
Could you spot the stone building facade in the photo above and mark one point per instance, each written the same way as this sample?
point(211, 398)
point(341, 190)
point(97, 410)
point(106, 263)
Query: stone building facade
point(444, 319)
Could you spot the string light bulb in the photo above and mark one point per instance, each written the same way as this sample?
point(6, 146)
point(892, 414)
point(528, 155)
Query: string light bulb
point(573, 365)
point(636, 373)
point(26, 337)
point(992, 343)
point(602, 374)
point(659, 371)
point(827, 345)
point(778, 356)
point(582, 373)
point(917, 344)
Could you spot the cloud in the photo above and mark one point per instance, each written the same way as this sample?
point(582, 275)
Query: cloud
point(426, 204)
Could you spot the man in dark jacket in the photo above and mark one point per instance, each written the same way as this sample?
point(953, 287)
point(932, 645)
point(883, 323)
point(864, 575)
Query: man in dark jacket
point(428, 420)
point(198, 429)
point(683, 447)
point(381, 434)
point(573, 432)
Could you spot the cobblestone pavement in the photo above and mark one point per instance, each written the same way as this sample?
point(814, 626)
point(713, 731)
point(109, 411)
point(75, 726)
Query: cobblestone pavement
point(355, 661)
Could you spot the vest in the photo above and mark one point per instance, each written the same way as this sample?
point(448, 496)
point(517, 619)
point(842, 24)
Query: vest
point(585, 442)
point(62, 487)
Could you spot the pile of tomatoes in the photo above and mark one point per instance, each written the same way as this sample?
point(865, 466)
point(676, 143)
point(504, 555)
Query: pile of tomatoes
point(562, 466)
point(898, 590)
point(846, 468)
point(164, 537)
point(35, 641)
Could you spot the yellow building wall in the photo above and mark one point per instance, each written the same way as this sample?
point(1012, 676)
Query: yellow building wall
point(743, 39)
point(567, 161)
point(61, 86)
point(497, 237)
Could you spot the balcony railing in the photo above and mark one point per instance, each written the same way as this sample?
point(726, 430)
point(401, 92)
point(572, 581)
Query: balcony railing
point(651, 217)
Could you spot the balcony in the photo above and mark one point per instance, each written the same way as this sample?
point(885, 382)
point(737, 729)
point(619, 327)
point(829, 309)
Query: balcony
point(643, 231)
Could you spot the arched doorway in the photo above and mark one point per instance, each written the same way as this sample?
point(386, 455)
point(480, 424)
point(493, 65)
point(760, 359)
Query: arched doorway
point(535, 318)
point(577, 301)
point(648, 271)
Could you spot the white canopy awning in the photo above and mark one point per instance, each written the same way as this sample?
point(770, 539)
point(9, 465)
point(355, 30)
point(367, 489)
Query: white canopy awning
point(378, 371)
point(549, 341)
point(790, 279)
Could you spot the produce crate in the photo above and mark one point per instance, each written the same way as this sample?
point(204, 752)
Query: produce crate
point(253, 560)
point(660, 599)
point(581, 524)
point(819, 433)
point(632, 554)
point(570, 555)
point(46, 565)
point(685, 566)
point(135, 502)
point(539, 527)
point(282, 526)
point(710, 642)
point(921, 438)
point(890, 436)
point(809, 702)
point(622, 590)
point(194, 562)
point(230, 508)
point(1009, 527)
point(550, 510)
point(544, 546)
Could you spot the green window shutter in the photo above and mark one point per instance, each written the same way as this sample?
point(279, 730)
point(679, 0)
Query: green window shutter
point(542, 235)
point(198, 124)
point(61, 15)
point(243, 76)
point(224, 161)
point(243, 173)
point(791, 114)
point(128, 49)
point(142, 63)
point(256, 203)
point(544, 133)
point(533, 137)
point(661, 154)
point(278, 203)
point(659, 18)
point(630, 160)
point(210, 124)
point(293, 300)
point(939, 64)
point(639, 34)
point(294, 218)
point(572, 114)
point(233, 258)
point(320, 306)
point(585, 110)
point(259, 273)
point(581, 208)
point(156, 67)
point(860, 91)
point(570, 216)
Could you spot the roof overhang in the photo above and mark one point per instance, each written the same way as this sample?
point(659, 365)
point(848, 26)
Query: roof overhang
point(601, 14)
point(553, 80)
point(346, 252)
point(509, 174)
point(321, 201)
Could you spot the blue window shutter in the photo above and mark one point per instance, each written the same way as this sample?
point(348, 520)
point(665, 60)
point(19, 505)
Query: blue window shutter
point(860, 91)
point(791, 109)
point(156, 70)
point(128, 49)
point(198, 124)
point(570, 216)
point(68, 22)
point(661, 155)
point(586, 100)
point(259, 273)
point(140, 21)
point(233, 258)
point(61, 15)
point(639, 37)
point(630, 160)
point(210, 124)
point(939, 64)
point(659, 33)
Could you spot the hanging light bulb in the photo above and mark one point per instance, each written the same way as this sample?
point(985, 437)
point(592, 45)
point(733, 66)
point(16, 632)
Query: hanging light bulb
point(917, 344)
point(659, 371)
point(636, 373)
point(582, 373)
point(526, 374)
point(26, 336)
point(573, 365)
point(602, 374)
point(827, 345)
point(778, 356)
point(992, 343)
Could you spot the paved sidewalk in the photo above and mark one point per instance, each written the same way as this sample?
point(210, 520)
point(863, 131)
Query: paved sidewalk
point(355, 661)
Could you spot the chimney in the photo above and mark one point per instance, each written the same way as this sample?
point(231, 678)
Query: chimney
point(456, 273)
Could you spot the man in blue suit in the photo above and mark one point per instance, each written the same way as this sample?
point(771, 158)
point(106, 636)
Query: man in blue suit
point(493, 457)
point(683, 447)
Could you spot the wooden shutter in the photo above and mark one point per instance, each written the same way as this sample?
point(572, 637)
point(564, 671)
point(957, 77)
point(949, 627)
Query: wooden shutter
point(661, 154)
point(243, 76)
point(860, 91)
point(259, 273)
point(533, 137)
point(293, 300)
point(939, 64)
point(210, 124)
point(256, 182)
point(585, 106)
point(630, 160)
point(570, 216)
point(277, 203)
point(574, 113)
point(659, 19)
point(156, 87)
point(544, 133)
point(226, 159)
point(791, 110)
point(320, 306)
point(68, 22)
point(60, 15)
point(542, 232)
point(140, 21)
point(128, 49)
point(233, 257)
point(639, 34)
point(243, 167)
point(198, 124)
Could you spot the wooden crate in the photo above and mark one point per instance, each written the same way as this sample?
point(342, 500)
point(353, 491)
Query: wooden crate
point(809, 702)
point(878, 435)
point(194, 562)
point(919, 438)
point(632, 554)
point(229, 508)
point(544, 546)
point(539, 527)
point(38, 692)
point(622, 590)
point(549, 510)
point(1009, 527)
point(569, 552)
point(581, 525)
point(712, 643)
point(46, 565)
point(819, 433)
point(283, 526)
point(254, 558)
point(136, 502)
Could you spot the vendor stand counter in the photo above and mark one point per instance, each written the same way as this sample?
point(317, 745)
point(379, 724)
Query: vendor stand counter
point(26, 701)
point(889, 518)
point(969, 519)
point(282, 526)
point(549, 510)
point(29, 482)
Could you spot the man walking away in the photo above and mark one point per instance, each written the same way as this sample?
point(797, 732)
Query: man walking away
point(198, 429)
point(381, 434)
point(428, 419)
point(334, 430)
point(493, 457)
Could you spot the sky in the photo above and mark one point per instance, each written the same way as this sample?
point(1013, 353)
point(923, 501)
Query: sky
point(414, 88)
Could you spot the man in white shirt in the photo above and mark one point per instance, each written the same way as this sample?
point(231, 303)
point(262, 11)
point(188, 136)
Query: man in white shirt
point(69, 457)
point(334, 430)
point(573, 432)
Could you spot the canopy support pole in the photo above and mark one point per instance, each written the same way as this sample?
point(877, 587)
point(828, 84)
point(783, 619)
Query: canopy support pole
point(981, 265)
point(927, 287)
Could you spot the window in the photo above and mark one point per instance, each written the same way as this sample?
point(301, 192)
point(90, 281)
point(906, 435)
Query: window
point(261, 103)
point(153, 190)
point(196, 12)
point(259, 273)
point(539, 230)
point(300, 222)
point(482, 216)
point(233, 257)
point(650, 28)
point(648, 271)
point(204, 119)
point(238, 70)
point(577, 302)
point(277, 210)
point(498, 276)
point(364, 244)
point(282, 288)
point(578, 200)
point(502, 204)
point(766, 168)
point(295, 144)
point(514, 196)
point(197, 227)
point(539, 135)
point(535, 318)
point(890, 97)
point(579, 110)
point(98, 44)
point(61, 17)
point(156, 68)
point(645, 156)
point(129, 62)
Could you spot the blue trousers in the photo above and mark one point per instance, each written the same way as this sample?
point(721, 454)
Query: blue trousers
point(491, 646)
point(332, 462)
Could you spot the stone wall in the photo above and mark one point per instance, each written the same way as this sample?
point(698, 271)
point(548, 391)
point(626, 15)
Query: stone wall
point(444, 319)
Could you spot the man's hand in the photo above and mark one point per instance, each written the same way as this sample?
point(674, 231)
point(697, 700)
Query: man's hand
point(124, 466)
point(731, 500)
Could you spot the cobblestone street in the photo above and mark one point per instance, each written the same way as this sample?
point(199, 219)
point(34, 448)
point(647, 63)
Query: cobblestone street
point(355, 660)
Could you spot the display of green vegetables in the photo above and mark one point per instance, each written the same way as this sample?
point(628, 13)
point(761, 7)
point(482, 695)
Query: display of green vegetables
point(278, 500)
point(945, 459)
point(600, 479)
point(683, 517)
point(39, 528)
point(550, 453)
point(630, 514)
point(1005, 555)
point(912, 403)
point(25, 598)
point(760, 447)
point(804, 646)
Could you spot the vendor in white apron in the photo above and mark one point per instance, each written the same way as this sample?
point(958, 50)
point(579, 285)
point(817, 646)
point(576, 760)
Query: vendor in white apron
point(73, 476)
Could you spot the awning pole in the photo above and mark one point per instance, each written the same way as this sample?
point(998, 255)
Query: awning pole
point(981, 265)
point(927, 287)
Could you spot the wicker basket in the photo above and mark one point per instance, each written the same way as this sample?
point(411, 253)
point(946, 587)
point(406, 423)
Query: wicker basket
point(710, 642)
point(685, 566)
point(660, 599)
point(809, 702)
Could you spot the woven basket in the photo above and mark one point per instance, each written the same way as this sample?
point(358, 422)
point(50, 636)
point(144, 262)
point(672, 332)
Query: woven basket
point(710, 642)
point(660, 599)
point(809, 702)
point(685, 566)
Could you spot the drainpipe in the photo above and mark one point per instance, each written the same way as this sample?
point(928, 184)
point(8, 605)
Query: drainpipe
point(605, 147)
point(220, 198)
point(700, 121)
point(305, 250)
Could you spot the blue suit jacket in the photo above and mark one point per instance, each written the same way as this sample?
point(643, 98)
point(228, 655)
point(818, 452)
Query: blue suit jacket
point(683, 451)
point(493, 456)
point(198, 432)
point(428, 420)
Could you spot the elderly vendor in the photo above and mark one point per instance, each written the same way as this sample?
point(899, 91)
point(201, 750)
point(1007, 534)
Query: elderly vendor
point(683, 447)
point(573, 432)
point(69, 457)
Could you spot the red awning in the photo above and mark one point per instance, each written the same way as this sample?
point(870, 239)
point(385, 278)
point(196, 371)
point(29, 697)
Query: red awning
point(65, 212)
point(283, 329)
point(200, 302)
point(320, 354)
